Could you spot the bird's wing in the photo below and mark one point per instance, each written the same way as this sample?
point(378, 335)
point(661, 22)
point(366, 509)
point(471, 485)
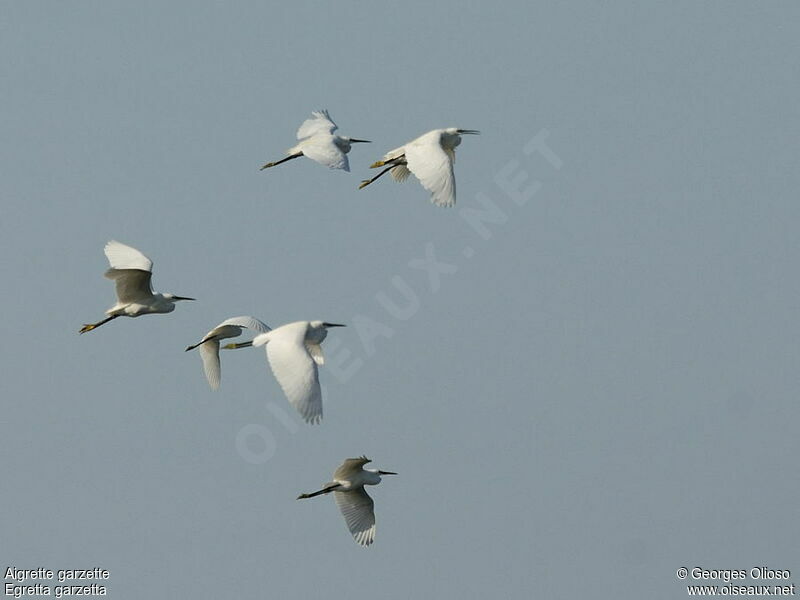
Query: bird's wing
point(247, 322)
point(209, 352)
point(434, 168)
point(323, 150)
point(315, 350)
point(391, 154)
point(320, 122)
point(358, 511)
point(133, 285)
point(294, 369)
point(350, 467)
point(400, 173)
point(121, 256)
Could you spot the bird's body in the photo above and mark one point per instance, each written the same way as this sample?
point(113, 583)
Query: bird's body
point(293, 352)
point(209, 345)
point(318, 142)
point(132, 273)
point(430, 157)
point(355, 504)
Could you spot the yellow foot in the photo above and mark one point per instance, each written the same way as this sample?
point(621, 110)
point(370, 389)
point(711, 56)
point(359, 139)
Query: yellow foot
point(267, 166)
point(377, 164)
point(87, 327)
point(237, 346)
point(364, 183)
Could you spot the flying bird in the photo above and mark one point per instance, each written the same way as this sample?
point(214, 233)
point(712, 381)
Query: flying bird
point(430, 158)
point(131, 271)
point(318, 142)
point(293, 352)
point(209, 345)
point(356, 506)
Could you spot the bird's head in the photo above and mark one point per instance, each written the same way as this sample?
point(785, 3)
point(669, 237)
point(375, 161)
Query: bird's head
point(451, 137)
point(344, 142)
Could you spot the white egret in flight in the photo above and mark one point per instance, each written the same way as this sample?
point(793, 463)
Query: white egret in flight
point(131, 270)
point(356, 506)
point(430, 158)
point(318, 142)
point(209, 345)
point(293, 352)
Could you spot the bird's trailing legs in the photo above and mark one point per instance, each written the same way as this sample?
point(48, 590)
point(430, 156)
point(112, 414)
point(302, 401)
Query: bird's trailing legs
point(237, 346)
point(392, 164)
point(283, 160)
point(324, 490)
point(90, 326)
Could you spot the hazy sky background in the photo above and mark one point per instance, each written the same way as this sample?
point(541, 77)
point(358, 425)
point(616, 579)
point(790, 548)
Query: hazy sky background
point(605, 391)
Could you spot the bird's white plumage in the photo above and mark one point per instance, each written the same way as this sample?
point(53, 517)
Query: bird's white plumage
point(430, 157)
point(432, 164)
point(132, 273)
point(294, 368)
point(399, 173)
point(350, 469)
point(209, 345)
point(122, 256)
point(358, 511)
point(209, 352)
point(324, 150)
point(317, 141)
point(132, 286)
point(245, 322)
point(320, 122)
point(350, 495)
point(315, 350)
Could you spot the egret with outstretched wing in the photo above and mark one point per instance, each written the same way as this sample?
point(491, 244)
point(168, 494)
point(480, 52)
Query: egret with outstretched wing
point(209, 345)
point(132, 271)
point(354, 503)
point(318, 142)
point(293, 352)
point(430, 158)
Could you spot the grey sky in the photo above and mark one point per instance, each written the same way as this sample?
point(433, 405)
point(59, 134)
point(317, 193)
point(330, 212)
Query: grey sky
point(602, 392)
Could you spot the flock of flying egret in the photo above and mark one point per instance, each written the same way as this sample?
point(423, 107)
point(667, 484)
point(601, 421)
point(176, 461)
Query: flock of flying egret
point(294, 350)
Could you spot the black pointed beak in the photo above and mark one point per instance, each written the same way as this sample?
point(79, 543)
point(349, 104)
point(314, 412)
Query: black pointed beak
point(469, 131)
point(329, 325)
point(182, 298)
point(355, 141)
point(386, 473)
